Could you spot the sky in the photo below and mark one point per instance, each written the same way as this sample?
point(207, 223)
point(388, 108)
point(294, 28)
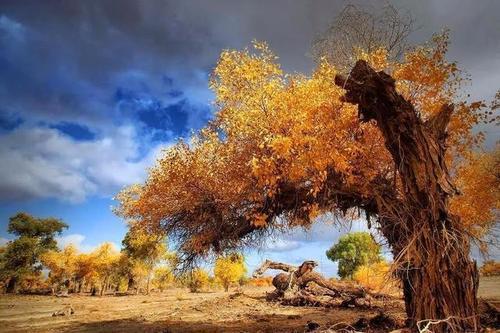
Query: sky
point(92, 91)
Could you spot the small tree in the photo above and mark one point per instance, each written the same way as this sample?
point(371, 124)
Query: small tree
point(197, 279)
point(375, 276)
point(490, 268)
point(105, 258)
point(229, 269)
point(85, 273)
point(162, 278)
point(352, 251)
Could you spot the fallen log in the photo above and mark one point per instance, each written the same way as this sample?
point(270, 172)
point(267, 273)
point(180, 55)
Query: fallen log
point(300, 286)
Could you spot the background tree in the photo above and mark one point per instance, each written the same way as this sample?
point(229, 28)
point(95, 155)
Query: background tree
point(283, 149)
point(62, 266)
point(376, 276)
point(196, 279)
point(145, 250)
point(229, 269)
point(490, 268)
point(352, 251)
point(22, 255)
point(85, 271)
point(163, 278)
point(104, 259)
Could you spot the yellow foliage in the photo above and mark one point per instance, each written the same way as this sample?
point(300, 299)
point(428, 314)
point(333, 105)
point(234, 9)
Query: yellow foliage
point(62, 264)
point(197, 279)
point(375, 276)
point(479, 201)
point(490, 268)
point(275, 131)
point(265, 281)
point(229, 269)
point(163, 278)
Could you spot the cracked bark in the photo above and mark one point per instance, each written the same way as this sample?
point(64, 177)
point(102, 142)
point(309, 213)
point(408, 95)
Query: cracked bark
point(439, 280)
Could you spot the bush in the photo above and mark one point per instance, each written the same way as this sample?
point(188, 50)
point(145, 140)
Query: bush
point(229, 269)
point(197, 279)
point(490, 268)
point(265, 281)
point(162, 278)
point(375, 276)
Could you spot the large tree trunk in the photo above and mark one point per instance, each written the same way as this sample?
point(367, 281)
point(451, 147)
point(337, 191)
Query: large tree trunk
point(439, 279)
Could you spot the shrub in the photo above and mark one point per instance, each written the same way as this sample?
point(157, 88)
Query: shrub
point(162, 278)
point(375, 276)
point(490, 268)
point(229, 269)
point(265, 281)
point(197, 279)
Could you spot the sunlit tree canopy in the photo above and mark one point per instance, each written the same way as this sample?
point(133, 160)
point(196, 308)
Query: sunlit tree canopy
point(288, 146)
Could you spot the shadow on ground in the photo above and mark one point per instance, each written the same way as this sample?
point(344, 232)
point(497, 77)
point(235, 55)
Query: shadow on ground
point(268, 323)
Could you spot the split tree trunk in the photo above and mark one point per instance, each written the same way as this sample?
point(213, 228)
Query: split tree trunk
point(440, 281)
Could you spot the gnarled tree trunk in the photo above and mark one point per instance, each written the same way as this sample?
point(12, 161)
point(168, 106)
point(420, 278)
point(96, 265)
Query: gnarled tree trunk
point(440, 280)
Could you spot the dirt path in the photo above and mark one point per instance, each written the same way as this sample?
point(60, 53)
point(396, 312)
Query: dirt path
point(180, 311)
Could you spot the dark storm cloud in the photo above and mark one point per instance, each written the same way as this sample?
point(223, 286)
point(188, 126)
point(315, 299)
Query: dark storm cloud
point(97, 73)
point(63, 56)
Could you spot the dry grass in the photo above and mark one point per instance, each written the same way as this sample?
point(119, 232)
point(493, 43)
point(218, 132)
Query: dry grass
point(178, 310)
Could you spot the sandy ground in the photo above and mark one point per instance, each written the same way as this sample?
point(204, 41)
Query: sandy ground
point(177, 310)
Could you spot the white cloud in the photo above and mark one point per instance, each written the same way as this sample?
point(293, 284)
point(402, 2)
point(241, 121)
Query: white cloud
point(78, 240)
point(43, 163)
point(280, 245)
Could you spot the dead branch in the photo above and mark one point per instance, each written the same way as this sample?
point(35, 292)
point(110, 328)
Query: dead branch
point(300, 286)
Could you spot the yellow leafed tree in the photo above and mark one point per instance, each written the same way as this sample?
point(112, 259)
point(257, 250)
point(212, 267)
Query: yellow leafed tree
point(284, 148)
point(229, 269)
point(62, 266)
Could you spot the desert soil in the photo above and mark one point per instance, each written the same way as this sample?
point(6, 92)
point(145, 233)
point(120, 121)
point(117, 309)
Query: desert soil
point(177, 310)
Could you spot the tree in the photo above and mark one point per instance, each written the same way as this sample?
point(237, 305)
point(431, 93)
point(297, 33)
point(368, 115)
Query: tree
point(196, 279)
point(62, 265)
point(163, 278)
point(356, 30)
point(85, 271)
point(104, 259)
point(229, 269)
point(22, 255)
point(352, 251)
point(283, 149)
point(144, 250)
point(490, 268)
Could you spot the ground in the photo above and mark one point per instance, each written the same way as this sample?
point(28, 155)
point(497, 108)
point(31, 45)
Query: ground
point(177, 310)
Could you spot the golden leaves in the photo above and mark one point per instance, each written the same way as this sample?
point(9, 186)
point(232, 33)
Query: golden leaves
point(273, 128)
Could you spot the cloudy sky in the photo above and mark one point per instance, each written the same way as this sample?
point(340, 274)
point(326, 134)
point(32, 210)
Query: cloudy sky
point(91, 91)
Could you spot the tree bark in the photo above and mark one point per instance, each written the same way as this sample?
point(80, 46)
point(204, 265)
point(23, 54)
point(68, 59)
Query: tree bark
point(131, 283)
point(439, 279)
point(12, 286)
point(298, 279)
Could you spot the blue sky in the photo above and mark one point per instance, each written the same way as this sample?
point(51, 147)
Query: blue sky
point(92, 91)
